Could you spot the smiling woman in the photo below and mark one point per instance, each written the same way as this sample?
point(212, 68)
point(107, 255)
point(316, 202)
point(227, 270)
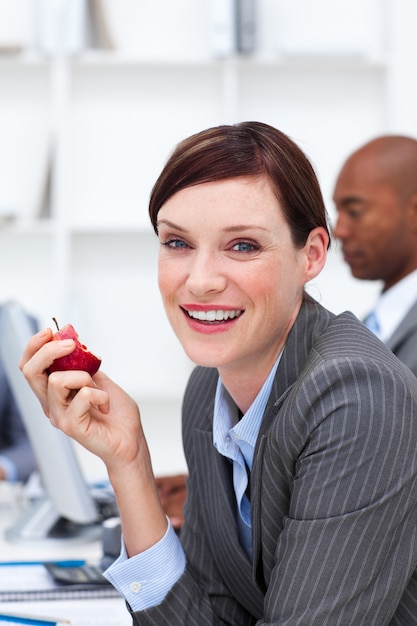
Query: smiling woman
point(219, 252)
point(298, 425)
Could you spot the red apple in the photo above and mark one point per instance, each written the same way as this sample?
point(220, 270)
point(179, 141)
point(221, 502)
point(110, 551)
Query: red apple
point(80, 359)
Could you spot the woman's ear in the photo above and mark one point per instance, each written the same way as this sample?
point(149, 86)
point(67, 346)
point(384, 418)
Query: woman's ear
point(316, 251)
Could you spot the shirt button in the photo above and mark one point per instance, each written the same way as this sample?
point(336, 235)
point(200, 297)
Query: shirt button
point(135, 587)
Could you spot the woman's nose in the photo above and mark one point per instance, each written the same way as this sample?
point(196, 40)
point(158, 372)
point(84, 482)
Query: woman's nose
point(206, 275)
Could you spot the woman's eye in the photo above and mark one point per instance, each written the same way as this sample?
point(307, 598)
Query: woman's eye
point(174, 243)
point(245, 246)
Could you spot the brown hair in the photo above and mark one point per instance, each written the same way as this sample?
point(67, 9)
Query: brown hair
point(246, 149)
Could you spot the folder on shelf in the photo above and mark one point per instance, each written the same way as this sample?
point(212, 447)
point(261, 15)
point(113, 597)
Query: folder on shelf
point(100, 26)
point(246, 26)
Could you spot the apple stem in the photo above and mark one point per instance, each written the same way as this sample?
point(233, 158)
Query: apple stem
point(56, 323)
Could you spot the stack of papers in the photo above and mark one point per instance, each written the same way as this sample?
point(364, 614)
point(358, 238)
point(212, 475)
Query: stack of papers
point(33, 582)
point(107, 612)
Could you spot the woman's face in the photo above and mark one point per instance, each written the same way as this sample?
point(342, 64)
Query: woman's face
point(230, 277)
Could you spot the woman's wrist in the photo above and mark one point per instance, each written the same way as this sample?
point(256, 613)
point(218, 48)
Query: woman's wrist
point(142, 516)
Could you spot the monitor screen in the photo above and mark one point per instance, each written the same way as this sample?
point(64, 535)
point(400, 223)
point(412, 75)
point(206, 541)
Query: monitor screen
point(68, 510)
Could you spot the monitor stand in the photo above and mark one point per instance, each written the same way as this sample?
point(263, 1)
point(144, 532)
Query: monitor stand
point(40, 522)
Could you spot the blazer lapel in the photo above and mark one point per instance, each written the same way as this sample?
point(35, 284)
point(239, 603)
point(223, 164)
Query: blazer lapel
point(271, 414)
point(219, 507)
point(310, 323)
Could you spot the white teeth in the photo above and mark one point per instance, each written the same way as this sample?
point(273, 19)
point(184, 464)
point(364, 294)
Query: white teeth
point(214, 315)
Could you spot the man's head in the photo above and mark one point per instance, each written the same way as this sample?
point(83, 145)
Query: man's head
point(376, 201)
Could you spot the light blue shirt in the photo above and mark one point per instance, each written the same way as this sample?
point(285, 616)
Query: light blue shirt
point(145, 579)
point(236, 439)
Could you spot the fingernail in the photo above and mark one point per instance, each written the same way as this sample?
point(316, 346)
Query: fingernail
point(67, 342)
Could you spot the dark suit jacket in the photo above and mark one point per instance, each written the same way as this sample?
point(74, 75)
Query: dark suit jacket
point(14, 442)
point(333, 492)
point(403, 342)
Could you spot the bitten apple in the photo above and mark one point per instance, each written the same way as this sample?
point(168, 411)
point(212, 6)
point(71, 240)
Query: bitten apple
point(80, 359)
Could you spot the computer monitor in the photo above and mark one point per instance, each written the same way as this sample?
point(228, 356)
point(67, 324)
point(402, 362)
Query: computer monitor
point(68, 510)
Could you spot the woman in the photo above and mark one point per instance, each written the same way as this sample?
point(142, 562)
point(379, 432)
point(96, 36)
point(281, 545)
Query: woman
point(298, 424)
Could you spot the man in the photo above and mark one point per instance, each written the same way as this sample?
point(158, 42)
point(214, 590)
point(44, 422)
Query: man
point(376, 201)
point(16, 456)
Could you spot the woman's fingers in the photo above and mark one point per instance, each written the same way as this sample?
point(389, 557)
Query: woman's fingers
point(38, 355)
point(33, 345)
point(66, 387)
point(40, 352)
point(78, 407)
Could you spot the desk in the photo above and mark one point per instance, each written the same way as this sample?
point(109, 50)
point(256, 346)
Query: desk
point(42, 551)
point(103, 612)
point(113, 611)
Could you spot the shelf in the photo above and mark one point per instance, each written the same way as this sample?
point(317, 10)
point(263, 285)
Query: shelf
point(24, 58)
point(35, 227)
point(120, 229)
point(26, 227)
point(105, 59)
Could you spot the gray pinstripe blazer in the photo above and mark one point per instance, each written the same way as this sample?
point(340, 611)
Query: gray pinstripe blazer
point(403, 342)
point(333, 492)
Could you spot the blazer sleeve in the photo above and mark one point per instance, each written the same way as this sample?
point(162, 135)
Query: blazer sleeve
point(345, 549)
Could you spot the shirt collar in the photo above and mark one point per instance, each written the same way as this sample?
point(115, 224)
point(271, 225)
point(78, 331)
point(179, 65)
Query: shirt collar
point(230, 433)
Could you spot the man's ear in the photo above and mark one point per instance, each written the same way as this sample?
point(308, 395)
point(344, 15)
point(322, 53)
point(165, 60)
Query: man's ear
point(316, 251)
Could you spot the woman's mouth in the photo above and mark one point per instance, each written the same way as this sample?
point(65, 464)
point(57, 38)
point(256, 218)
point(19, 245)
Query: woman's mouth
point(214, 316)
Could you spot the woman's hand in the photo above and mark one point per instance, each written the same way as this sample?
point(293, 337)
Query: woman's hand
point(106, 421)
point(97, 413)
point(79, 405)
point(38, 355)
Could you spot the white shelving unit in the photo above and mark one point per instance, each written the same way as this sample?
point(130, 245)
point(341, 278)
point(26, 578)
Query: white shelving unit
point(109, 120)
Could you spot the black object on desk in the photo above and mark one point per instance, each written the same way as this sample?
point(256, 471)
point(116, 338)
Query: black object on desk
point(77, 575)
